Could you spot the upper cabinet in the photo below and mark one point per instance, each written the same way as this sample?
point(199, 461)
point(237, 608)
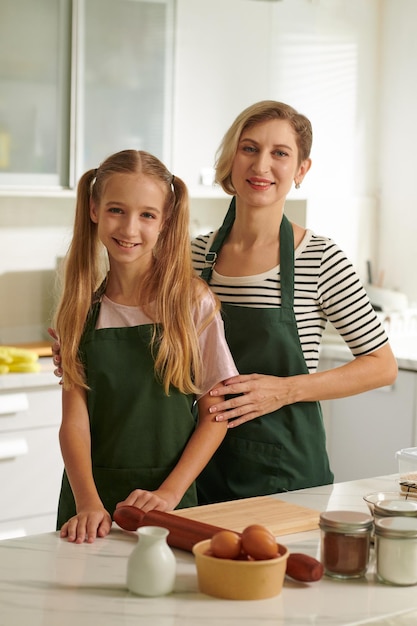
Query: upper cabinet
point(124, 78)
point(80, 80)
point(34, 59)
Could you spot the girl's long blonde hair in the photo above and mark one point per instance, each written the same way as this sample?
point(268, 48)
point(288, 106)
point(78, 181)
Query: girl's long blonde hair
point(170, 285)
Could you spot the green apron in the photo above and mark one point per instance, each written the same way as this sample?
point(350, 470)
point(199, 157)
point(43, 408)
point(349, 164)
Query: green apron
point(138, 433)
point(283, 450)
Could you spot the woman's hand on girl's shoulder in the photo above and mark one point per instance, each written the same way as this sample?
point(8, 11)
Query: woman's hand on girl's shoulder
point(56, 353)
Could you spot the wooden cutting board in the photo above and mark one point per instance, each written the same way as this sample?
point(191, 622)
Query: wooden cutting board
point(282, 518)
point(42, 348)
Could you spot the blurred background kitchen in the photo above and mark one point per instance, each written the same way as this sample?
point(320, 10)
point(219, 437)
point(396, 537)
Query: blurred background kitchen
point(81, 79)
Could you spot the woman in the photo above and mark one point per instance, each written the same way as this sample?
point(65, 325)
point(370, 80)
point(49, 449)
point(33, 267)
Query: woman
point(279, 284)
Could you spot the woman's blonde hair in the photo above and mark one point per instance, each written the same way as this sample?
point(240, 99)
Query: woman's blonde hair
point(255, 114)
point(170, 285)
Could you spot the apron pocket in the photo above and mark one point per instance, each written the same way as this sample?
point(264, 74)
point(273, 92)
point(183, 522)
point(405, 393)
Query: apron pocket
point(241, 468)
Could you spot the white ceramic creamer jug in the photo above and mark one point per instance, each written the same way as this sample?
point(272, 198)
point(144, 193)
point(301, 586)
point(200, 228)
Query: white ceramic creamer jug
point(151, 566)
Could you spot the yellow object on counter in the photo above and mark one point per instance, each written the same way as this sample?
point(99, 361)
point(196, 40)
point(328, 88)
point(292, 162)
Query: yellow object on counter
point(18, 360)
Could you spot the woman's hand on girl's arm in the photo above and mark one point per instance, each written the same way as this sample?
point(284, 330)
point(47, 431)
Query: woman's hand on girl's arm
point(260, 394)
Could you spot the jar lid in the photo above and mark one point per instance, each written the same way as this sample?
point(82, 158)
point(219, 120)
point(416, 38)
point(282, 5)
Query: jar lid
point(397, 508)
point(346, 521)
point(396, 527)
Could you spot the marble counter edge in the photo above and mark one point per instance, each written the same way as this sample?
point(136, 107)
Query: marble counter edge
point(44, 378)
point(339, 351)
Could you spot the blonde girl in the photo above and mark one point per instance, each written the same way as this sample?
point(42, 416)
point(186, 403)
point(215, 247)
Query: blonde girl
point(141, 338)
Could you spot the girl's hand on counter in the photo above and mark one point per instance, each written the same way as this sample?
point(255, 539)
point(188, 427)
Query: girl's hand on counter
point(87, 526)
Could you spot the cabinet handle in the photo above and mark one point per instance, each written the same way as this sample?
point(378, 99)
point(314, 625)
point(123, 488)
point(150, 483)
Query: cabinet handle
point(13, 403)
point(12, 448)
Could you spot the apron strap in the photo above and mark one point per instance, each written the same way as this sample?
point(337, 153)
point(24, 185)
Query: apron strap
point(211, 256)
point(286, 255)
point(286, 239)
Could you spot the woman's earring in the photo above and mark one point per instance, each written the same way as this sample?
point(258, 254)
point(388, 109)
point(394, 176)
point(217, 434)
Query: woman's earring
point(297, 185)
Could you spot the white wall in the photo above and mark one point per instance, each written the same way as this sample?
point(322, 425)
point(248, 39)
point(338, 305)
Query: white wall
point(222, 65)
point(34, 232)
point(330, 72)
point(397, 148)
point(321, 57)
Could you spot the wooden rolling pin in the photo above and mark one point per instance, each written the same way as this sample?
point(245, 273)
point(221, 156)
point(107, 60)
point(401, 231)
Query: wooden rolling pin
point(184, 533)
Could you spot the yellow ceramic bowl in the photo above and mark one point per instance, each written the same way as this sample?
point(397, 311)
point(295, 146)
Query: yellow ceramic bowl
point(239, 580)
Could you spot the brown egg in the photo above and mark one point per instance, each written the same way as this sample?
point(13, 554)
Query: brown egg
point(226, 544)
point(259, 542)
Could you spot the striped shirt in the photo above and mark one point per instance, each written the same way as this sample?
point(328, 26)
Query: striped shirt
point(326, 288)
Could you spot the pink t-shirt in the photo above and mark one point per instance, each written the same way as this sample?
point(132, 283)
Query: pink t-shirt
point(217, 360)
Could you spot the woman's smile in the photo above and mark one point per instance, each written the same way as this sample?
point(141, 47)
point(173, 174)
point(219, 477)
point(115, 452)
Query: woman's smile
point(260, 183)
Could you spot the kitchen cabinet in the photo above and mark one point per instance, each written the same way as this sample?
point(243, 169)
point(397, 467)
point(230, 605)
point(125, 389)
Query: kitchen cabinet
point(365, 431)
point(123, 78)
point(34, 58)
point(80, 79)
point(30, 458)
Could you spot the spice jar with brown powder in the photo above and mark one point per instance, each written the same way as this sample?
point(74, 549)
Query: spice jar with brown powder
point(345, 543)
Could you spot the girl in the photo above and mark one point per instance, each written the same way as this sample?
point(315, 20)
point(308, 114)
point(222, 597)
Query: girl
point(140, 337)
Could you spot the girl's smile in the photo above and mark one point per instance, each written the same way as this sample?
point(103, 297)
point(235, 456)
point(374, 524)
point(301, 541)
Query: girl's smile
point(125, 244)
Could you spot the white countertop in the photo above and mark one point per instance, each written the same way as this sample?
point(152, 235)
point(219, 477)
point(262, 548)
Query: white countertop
point(47, 581)
point(332, 347)
point(404, 349)
point(405, 352)
point(44, 378)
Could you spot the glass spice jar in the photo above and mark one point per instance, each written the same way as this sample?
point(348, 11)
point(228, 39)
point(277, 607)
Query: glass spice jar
point(396, 550)
point(395, 508)
point(345, 543)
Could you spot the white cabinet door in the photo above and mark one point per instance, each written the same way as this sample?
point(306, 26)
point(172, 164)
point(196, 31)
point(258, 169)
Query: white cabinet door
point(34, 89)
point(79, 80)
point(30, 473)
point(31, 463)
point(124, 78)
point(365, 431)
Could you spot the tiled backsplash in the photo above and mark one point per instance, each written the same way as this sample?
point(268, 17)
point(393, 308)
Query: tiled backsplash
point(34, 231)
